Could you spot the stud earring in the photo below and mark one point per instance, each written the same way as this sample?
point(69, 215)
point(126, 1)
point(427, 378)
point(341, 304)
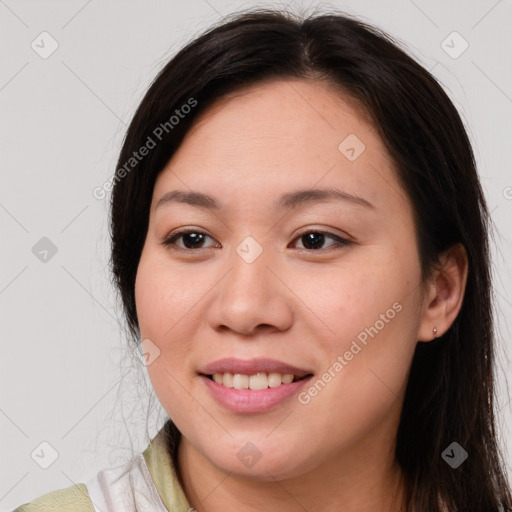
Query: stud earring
point(434, 330)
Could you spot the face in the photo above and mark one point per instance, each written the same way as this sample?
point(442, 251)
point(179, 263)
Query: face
point(301, 261)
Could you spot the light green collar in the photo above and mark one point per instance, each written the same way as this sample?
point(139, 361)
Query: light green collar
point(162, 472)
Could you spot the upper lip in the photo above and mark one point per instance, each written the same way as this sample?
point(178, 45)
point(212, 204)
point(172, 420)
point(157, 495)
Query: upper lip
point(251, 367)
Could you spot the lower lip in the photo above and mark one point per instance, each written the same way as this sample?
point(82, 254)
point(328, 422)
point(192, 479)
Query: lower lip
point(253, 401)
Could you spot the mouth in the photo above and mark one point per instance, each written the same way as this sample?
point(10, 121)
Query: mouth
point(253, 386)
point(256, 381)
point(254, 374)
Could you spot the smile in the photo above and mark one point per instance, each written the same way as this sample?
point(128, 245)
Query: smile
point(258, 381)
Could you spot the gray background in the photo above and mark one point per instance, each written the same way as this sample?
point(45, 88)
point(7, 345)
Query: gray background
point(67, 376)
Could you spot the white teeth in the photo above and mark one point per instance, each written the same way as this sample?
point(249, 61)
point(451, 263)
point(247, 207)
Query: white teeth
point(274, 380)
point(240, 381)
point(287, 378)
point(227, 380)
point(257, 381)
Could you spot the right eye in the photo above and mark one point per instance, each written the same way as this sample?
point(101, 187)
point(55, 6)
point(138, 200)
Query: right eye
point(192, 239)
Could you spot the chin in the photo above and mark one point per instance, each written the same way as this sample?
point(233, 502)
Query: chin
point(259, 461)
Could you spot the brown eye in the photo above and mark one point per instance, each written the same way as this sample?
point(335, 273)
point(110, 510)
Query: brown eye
point(191, 239)
point(314, 240)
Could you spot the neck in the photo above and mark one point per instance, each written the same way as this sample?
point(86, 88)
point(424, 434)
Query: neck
point(360, 481)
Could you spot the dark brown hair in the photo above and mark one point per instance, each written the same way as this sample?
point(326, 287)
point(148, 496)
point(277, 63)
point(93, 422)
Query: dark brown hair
point(450, 392)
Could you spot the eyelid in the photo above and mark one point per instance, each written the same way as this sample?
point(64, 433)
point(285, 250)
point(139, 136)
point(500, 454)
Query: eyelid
point(342, 240)
point(167, 241)
point(325, 231)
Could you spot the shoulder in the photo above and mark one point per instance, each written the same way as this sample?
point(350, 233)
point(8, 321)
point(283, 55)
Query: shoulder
point(71, 499)
point(147, 483)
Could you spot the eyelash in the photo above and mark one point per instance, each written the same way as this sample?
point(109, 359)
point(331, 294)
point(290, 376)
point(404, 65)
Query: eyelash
point(169, 241)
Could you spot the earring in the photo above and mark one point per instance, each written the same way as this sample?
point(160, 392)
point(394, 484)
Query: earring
point(434, 330)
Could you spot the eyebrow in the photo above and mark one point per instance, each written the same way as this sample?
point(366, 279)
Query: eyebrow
point(286, 201)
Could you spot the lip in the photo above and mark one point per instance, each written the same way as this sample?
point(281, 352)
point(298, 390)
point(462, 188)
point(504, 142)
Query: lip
point(246, 401)
point(251, 367)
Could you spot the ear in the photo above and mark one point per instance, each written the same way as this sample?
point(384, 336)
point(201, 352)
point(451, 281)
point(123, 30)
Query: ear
point(444, 293)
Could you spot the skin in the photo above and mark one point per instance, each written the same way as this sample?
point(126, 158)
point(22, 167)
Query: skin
point(294, 303)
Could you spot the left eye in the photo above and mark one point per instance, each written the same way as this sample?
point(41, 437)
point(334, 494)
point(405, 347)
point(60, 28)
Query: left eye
point(315, 239)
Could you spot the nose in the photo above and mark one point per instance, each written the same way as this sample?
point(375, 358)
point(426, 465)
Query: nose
point(252, 298)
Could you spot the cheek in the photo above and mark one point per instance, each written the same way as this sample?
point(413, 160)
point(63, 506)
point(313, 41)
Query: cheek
point(365, 289)
point(366, 364)
point(165, 296)
point(166, 299)
point(371, 311)
point(158, 309)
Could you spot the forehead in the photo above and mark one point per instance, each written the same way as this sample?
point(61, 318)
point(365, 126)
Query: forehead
point(281, 135)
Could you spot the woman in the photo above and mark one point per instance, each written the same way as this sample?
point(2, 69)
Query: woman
point(300, 242)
